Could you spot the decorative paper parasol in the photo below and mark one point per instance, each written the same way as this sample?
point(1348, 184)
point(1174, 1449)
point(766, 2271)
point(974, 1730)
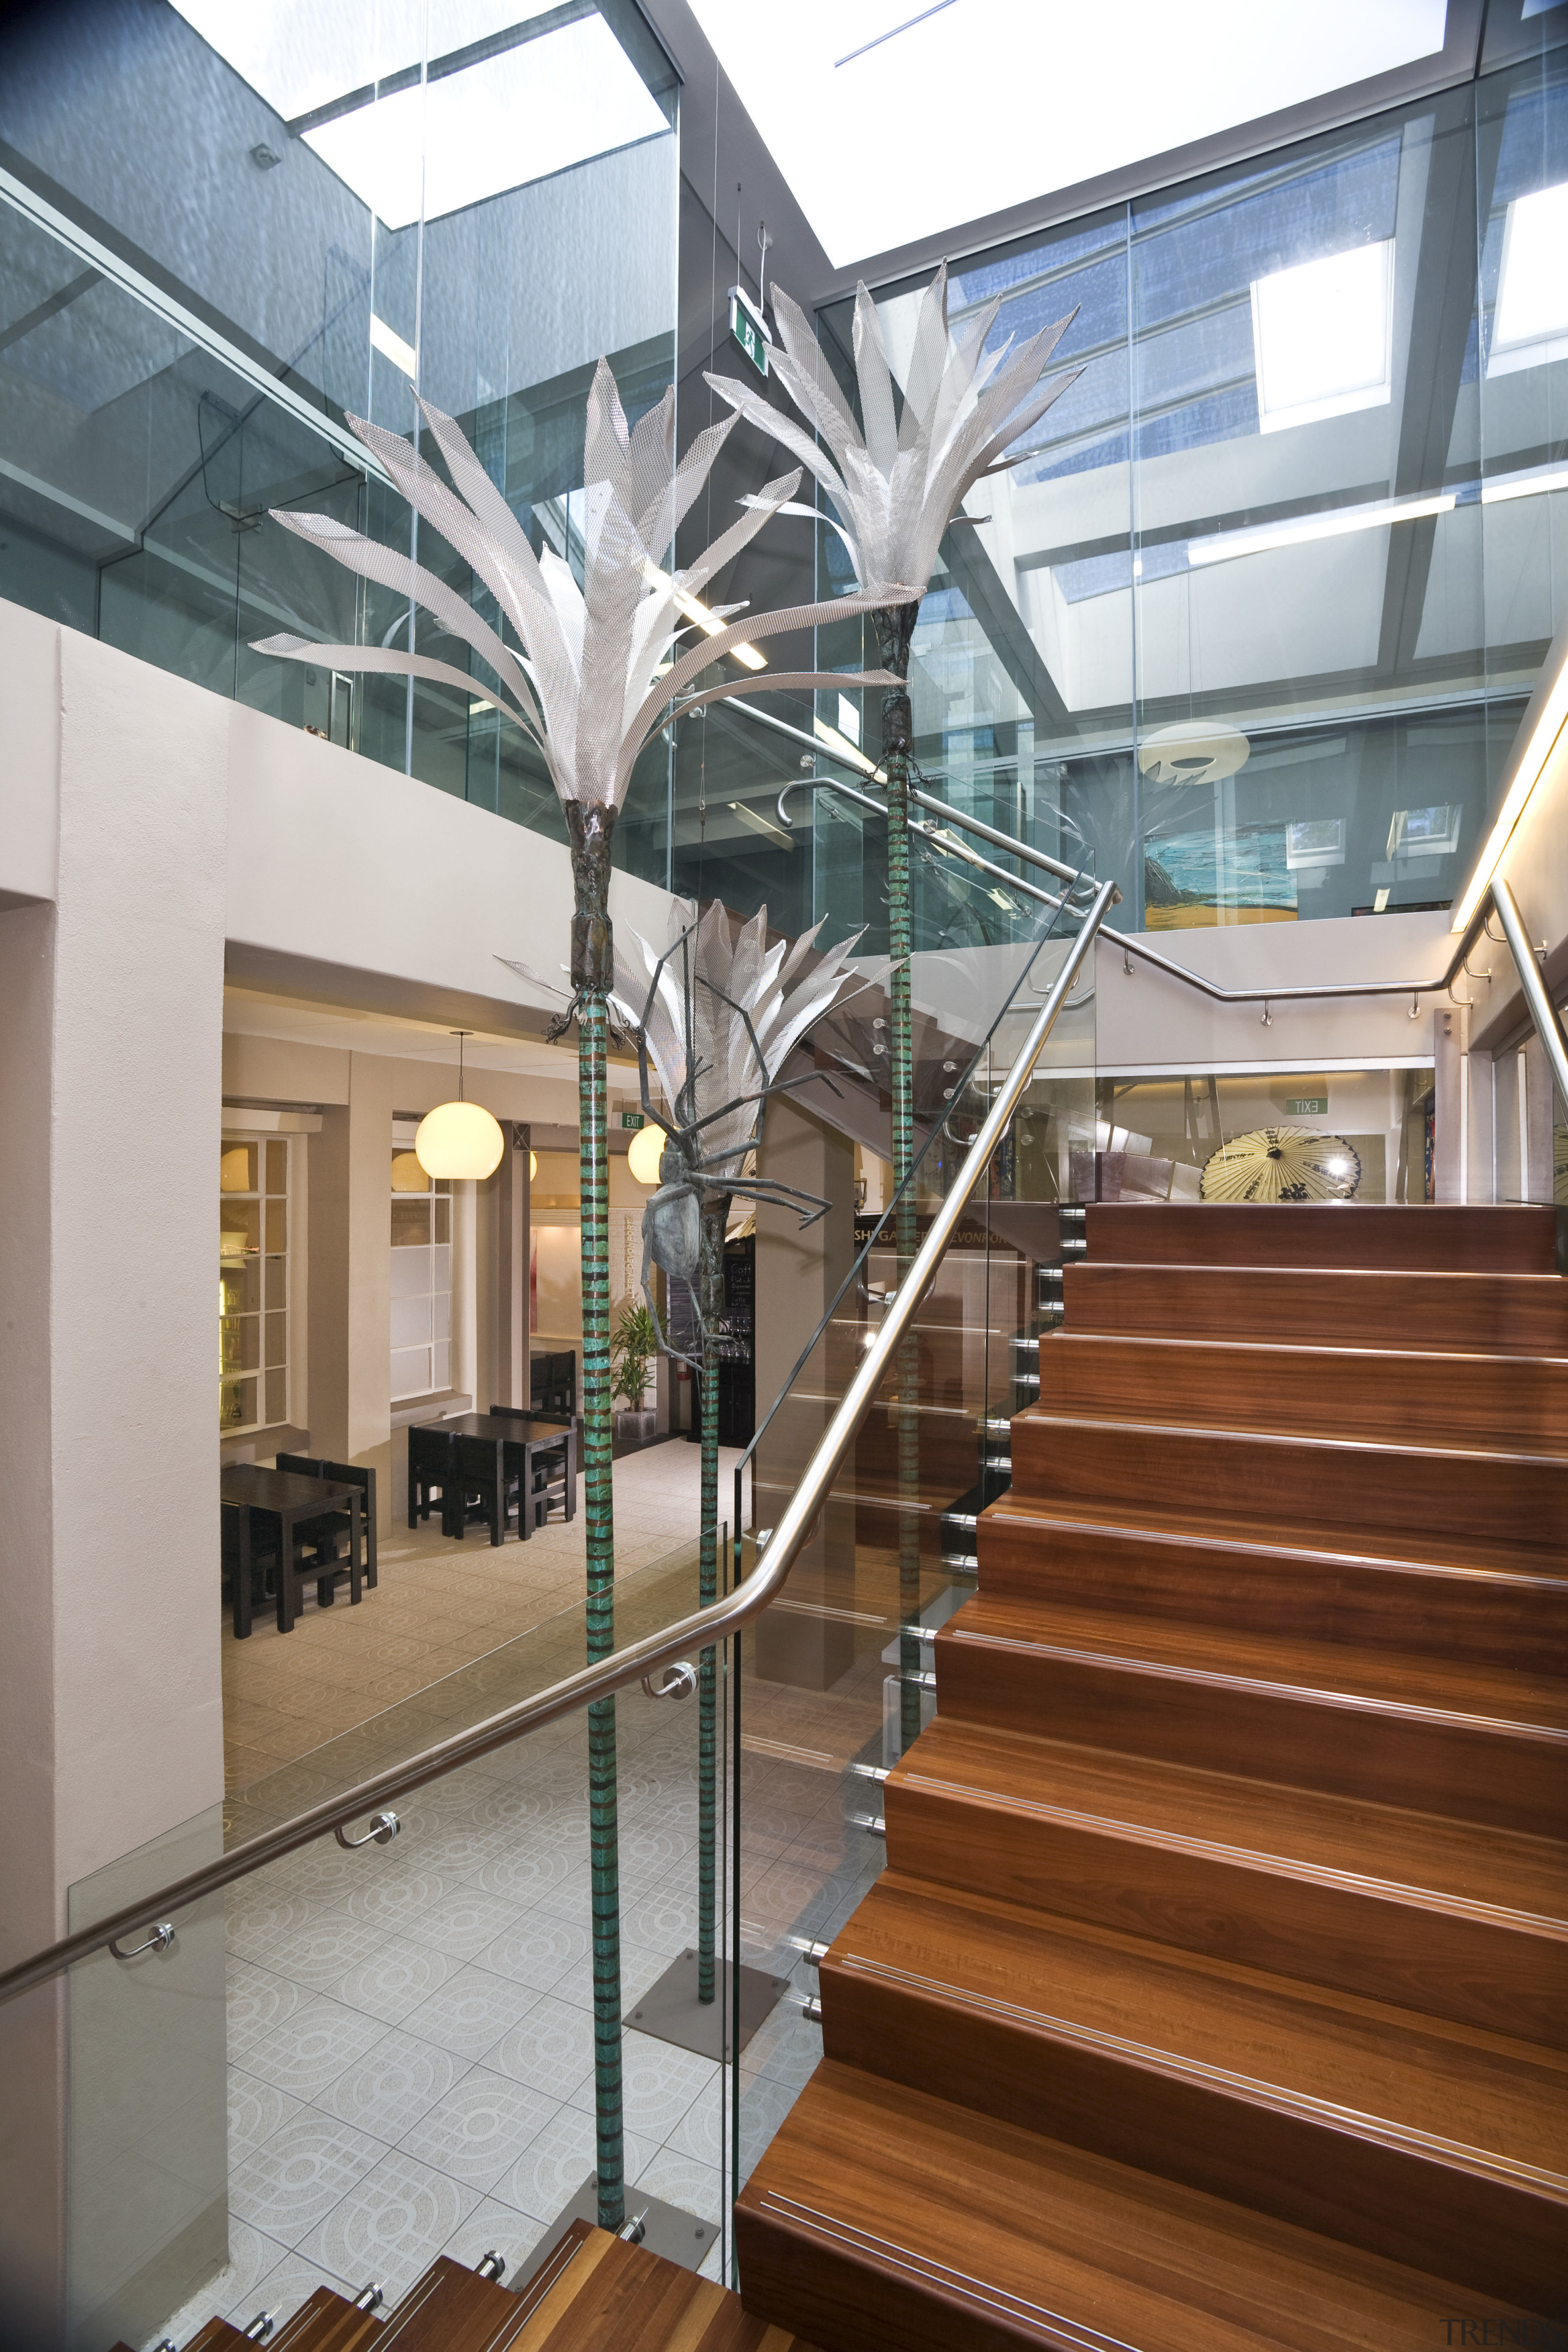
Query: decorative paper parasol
point(1282, 1163)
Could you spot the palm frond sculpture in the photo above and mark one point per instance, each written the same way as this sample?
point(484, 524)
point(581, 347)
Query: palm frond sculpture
point(717, 1017)
point(598, 673)
point(894, 483)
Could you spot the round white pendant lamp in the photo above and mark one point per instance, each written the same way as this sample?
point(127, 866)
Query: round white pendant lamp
point(644, 1153)
point(458, 1140)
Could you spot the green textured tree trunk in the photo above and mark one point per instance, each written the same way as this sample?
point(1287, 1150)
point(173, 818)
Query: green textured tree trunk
point(593, 971)
point(715, 1217)
point(894, 629)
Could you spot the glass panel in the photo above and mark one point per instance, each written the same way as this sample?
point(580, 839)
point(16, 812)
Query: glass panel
point(323, 272)
point(277, 1272)
point(411, 1372)
point(468, 1941)
point(410, 1224)
point(237, 1404)
point(237, 1168)
point(410, 1322)
point(277, 1227)
point(277, 1396)
point(278, 1167)
point(833, 1681)
point(277, 1339)
point(239, 1286)
point(408, 1175)
point(239, 1230)
point(443, 1221)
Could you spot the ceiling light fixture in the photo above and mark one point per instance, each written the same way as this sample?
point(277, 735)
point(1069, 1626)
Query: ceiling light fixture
point(1223, 546)
point(710, 623)
point(644, 1151)
point(459, 1139)
point(1523, 486)
point(1542, 747)
point(1323, 336)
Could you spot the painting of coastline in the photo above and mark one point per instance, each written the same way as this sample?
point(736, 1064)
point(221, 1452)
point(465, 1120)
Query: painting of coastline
point(1194, 880)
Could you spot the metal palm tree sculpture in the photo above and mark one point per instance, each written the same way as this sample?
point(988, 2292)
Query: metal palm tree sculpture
point(595, 678)
point(717, 1017)
point(895, 483)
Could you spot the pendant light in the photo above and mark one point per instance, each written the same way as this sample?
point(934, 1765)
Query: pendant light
point(459, 1139)
point(644, 1152)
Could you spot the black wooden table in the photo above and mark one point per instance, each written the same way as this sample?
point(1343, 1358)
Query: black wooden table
point(289, 1499)
point(518, 1437)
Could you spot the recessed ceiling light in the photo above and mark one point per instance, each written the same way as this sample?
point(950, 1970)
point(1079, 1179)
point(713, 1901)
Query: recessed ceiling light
point(1300, 530)
point(1323, 336)
point(393, 347)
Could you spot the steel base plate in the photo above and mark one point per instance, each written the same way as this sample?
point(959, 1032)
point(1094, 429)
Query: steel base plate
point(679, 2237)
point(671, 2011)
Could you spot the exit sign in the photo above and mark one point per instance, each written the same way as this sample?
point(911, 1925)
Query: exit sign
point(747, 328)
point(632, 1118)
point(1307, 1106)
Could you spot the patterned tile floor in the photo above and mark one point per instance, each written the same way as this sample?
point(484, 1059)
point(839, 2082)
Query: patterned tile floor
point(411, 2027)
point(439, 1605)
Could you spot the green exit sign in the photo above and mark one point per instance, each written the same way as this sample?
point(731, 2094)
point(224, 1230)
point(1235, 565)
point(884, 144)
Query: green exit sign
point(632, 1118)
point(1307, 1106)
point(746, 326)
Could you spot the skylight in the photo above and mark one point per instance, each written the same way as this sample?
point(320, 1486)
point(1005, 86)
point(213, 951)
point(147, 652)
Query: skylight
point(1530, 324)
point(530, 108)
point(1323, 336)
point(987, 103)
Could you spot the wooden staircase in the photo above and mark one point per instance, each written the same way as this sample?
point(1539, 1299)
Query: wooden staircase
point(592, 2293)
point(1214, 1994)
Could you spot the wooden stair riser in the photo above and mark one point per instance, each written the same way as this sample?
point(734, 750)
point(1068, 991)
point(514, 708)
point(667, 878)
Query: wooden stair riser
point(1209, 1481)
point(849, 2298)
point(1499, 2233)
point(1518, 1405)
point(1510, 1776)
point(1506, 1974)
point(1503, 1240)
point(1496, 1314)
point(1405, 1607)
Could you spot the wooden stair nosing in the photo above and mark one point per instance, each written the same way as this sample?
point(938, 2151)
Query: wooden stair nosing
point(1496, 1613)
point(1271, 1903)
point(1388, 2181)
point(1378, 1236)
point(1507, 1774)
point(1506, 1314)
point(926, 2227)
point(327, 2322)
point(1515, 1503)
point(1464, 1397)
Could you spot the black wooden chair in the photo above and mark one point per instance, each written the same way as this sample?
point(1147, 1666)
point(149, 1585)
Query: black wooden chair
point(430, 1475)
point(483, 1486)
point(325, 1534)
point(551, 1468)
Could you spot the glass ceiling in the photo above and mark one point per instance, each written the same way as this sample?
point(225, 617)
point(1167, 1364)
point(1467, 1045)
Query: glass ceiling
point(975, 105)
point(491, 112)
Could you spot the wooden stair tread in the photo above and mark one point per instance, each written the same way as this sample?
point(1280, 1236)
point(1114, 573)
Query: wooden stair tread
point(1463, 1397)
point(1392, 1549)
point(1501, 1314)
point(1444, 1861)
point(1330, 1671)
point(1476, 2100)
point(327, 2322)
point(450, 2308)
point(594, 2293)
point(1311, 1441)
point(898, 2198)
point(1502, 1238)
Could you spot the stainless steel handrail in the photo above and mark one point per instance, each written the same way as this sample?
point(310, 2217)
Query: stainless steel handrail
point(701, 1630)
point(1315, 990)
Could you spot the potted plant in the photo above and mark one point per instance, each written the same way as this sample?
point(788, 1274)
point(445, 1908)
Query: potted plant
point(635, 1346)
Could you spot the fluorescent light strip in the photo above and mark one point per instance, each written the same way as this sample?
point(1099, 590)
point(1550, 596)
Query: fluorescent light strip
point(1226, 544)
point(1523, 486)
point(709, 623)
point(393, 347)
point(1545, 737)
point(769, 830)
